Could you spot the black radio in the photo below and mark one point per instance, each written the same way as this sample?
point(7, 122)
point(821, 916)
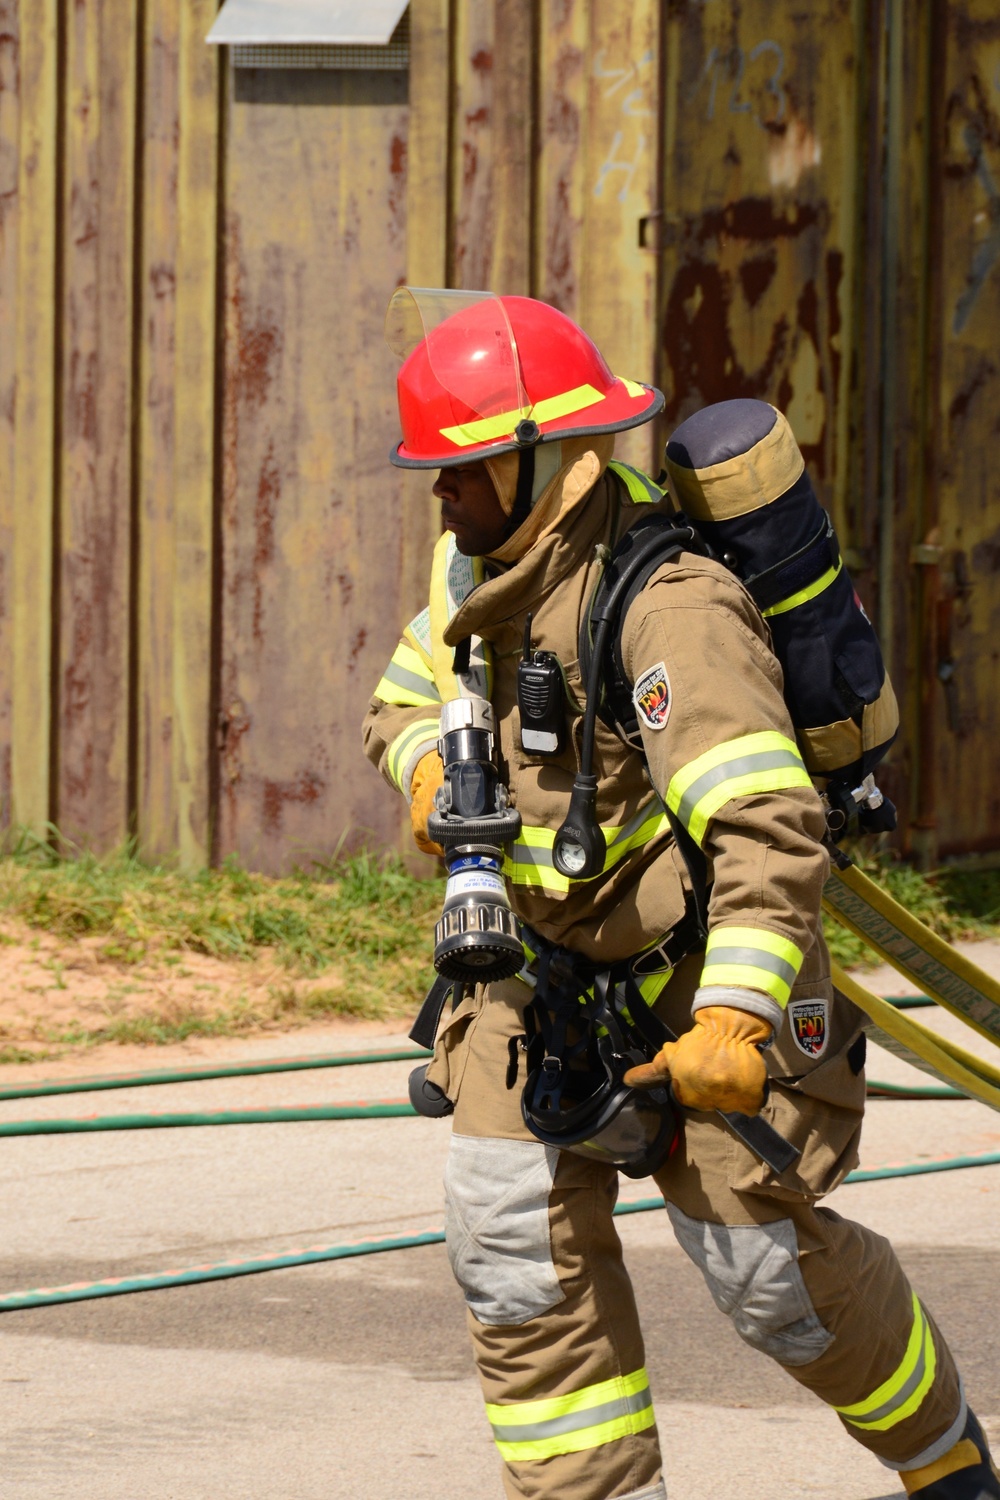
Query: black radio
point(540, 700)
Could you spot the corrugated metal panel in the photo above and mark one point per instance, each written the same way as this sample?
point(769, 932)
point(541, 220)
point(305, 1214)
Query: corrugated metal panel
point(30, 571)
point(966, 501)
point(9, 161)
point(176, 432)
point(315, 536)
point(599, 178)
point(760, 194)
point(96, 480)
point(744, 199)
point(491, 152)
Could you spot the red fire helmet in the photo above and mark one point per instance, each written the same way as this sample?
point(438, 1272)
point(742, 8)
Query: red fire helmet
point(484, 374)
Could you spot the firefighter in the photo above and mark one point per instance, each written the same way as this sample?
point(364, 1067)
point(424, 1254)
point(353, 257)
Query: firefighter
point(515, 407)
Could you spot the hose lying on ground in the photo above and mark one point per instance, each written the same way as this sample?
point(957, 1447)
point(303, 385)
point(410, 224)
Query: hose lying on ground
point(283, 1260)
point(156, 1076)
point(48, 1086)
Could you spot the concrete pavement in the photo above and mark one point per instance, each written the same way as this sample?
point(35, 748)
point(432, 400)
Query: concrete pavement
point(352, 1379)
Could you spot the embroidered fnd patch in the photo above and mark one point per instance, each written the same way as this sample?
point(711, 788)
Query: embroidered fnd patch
point(810, 1032)
point(651, 696)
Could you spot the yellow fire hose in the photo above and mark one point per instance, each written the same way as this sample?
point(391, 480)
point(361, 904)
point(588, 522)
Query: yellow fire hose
point(952, 980)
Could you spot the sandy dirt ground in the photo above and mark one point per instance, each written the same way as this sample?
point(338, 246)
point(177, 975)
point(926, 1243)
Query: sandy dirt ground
point(51, 989)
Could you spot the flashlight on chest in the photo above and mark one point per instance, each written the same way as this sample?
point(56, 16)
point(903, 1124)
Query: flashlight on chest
point(477, 937)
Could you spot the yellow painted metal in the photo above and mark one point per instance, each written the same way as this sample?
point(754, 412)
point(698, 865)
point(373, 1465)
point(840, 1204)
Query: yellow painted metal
point(32, 540)
point(427, 259)
point(176, 432)
point(95, 487)
point(427, 145)
point(760, 202)
point(964, 670)
point(9, 156)
point(491, 159)
point(597, 178)
point(316, 535)
point(618, 279)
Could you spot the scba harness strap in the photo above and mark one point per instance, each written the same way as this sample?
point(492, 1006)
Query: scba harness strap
point(584, 1028)
point(579, 1040)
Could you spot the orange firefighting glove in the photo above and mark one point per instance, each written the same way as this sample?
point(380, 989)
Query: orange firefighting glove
point(715, 1065)
point(427, 776)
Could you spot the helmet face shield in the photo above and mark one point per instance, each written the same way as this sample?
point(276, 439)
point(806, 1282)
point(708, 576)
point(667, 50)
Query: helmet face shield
point(474, 360)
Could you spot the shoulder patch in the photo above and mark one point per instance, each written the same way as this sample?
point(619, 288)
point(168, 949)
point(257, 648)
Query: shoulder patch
point(808, 1022)
point(651, 696)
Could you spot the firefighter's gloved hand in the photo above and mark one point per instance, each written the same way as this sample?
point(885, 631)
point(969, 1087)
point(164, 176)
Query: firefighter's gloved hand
point(715, 1065)
point(427, 776)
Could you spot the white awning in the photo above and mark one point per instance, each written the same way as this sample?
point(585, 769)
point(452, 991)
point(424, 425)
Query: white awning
point(306, 22)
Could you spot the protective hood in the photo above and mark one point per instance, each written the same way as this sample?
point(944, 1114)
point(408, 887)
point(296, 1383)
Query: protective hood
point(582, 461)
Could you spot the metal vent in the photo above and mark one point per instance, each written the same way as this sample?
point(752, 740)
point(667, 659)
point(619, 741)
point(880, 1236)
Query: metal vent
point(393, 57)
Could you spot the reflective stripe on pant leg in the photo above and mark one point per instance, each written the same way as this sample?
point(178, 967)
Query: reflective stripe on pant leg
point(497, 1227)
point(899, 1397)
point(582, 1419)
point(752, 1272)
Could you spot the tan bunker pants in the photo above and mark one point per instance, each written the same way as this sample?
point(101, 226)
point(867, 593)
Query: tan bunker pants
point(553, 1319)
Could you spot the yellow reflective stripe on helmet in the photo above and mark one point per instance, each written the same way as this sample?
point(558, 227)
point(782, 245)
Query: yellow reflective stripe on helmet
point(763, 762)
point(634, 388)
point(529, 859)
point(899, 1397)
point(408, 680)
point(809, 592)
point(407, 748)
point(597, 1414)
point(640, 487)
point(503, 425)
point(751, 958)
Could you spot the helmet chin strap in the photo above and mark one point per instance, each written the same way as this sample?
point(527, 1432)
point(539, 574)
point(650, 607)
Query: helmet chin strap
point(527, 435)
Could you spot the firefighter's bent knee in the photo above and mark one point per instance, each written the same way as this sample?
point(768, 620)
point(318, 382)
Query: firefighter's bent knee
point(753, 1274)
point(497, 1227)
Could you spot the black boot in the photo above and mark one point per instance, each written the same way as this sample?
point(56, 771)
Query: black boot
point(976, 1481)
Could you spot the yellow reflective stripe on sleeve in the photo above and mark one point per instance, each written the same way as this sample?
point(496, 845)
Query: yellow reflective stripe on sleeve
point(421, 736)
point(809, 592)
point(408, 680)
point(504, 423)
point(752, 958)
point(601, 1413)
point(641, 489)
point(763, 762)
point(529, 858)
point(899, 1397)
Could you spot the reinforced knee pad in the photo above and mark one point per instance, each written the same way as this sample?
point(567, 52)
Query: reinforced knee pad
point(497, 1227)
point(752, 1272)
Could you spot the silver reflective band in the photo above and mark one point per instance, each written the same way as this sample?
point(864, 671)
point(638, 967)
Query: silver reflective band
point(742, 765)
point(401, 678)
point(574, 1421)
point(751, 958)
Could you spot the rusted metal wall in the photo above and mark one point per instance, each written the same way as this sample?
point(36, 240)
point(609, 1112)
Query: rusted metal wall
point(961, 666)
point(317, 535)
point(204, 555)
point(763, 107)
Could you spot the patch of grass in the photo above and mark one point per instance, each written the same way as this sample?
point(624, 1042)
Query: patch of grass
point(364, 917)
point(953, 903)
point(24, 1055)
